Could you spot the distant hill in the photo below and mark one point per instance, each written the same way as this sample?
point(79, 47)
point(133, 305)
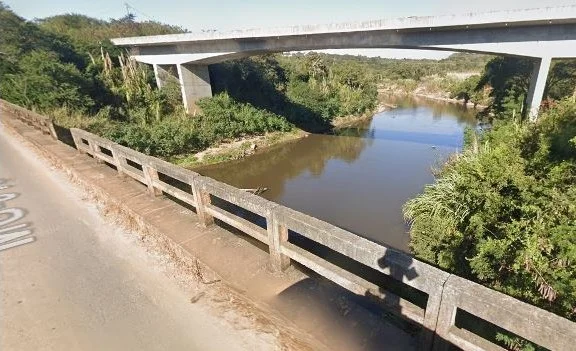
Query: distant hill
point(416, 69)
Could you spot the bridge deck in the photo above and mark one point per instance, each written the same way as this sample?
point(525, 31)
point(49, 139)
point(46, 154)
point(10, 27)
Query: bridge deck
point(328, 314)
point(523, 17)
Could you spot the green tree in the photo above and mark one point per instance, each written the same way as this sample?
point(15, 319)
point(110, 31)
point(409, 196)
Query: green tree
point(467, 90)
point(43, 81)
point(509, 78)
point(505, 215)
point(562, 79)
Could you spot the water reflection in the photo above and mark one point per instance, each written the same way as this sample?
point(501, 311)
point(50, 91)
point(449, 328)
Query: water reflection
point(274, 167)
point(440, 109)
point(359, 178)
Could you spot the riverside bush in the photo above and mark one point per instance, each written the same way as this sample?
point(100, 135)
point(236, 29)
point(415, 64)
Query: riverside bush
point(222, 118)
point(505, 215)
point(166, 138)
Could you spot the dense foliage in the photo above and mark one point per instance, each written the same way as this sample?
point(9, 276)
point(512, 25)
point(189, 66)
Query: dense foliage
point(417, 69)
point(468, 90)
point(504, 211)
point(309, 90)
point(66, 67)
point(55, 64)
point(77, 28)
point(508, 80)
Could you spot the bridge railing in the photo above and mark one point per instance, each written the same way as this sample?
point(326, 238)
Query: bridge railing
point(31, 118)
point(345, 255)
point(529, 322)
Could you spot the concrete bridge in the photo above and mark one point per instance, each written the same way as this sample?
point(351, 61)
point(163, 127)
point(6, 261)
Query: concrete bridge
point(141, 189)
point(542, 34)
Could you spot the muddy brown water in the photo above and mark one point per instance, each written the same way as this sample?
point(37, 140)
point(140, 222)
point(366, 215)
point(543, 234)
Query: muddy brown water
point(359, 178)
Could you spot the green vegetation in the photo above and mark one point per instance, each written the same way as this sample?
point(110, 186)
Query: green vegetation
point(416, 69)
point(308, 91)
point(66, 67)
point(468, 90)
point(503, 212)
point(77, 28)
point(504, 85)
point(498, 82)
point(452, 77)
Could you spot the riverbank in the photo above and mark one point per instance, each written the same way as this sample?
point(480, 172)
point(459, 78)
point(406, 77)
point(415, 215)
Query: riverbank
point(375, 165)
point(436, 96)
point(452, 101)
point(239, 146)
point(453, 88)
point(237, 149)
point(348, 121)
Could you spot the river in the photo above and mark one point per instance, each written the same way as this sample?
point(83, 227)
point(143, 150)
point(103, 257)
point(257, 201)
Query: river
point(359, 178)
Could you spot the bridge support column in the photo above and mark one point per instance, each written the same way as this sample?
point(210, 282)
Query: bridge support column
point(537, 85)
point(195, 84)
point(164, 73)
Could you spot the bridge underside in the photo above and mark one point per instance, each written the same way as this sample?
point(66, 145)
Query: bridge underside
point(191, 58)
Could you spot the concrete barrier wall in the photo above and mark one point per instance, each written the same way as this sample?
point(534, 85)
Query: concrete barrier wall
point(534, 324)
point(31, 118)
point(446, 293)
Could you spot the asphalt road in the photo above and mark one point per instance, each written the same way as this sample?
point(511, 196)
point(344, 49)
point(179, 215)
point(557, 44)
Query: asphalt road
point(82, 283)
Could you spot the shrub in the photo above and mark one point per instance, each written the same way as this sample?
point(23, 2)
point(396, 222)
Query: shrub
point(506, 216)
point(165, 138)
point(223, 118)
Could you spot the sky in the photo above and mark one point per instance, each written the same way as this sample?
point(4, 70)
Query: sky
point(223, 15)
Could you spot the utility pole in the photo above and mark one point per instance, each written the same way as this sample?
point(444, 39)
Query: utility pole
point(129, 15)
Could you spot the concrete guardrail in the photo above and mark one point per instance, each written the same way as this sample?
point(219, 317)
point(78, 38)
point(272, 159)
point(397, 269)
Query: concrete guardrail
point(31, 118)
point(446, 293)
point(531, 323)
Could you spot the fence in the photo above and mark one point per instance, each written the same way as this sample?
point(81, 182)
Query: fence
point(532, 323)
point(446, 295)
point(31, 118)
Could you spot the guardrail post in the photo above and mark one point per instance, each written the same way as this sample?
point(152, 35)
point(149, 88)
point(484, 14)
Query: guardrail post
point(151, 175)
point(117, 161)
point(78, 142)
point(52, 130)
point(202, 198)
point(277, 234)
point(446, 317)
point(94, 149)
point(432, 314)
